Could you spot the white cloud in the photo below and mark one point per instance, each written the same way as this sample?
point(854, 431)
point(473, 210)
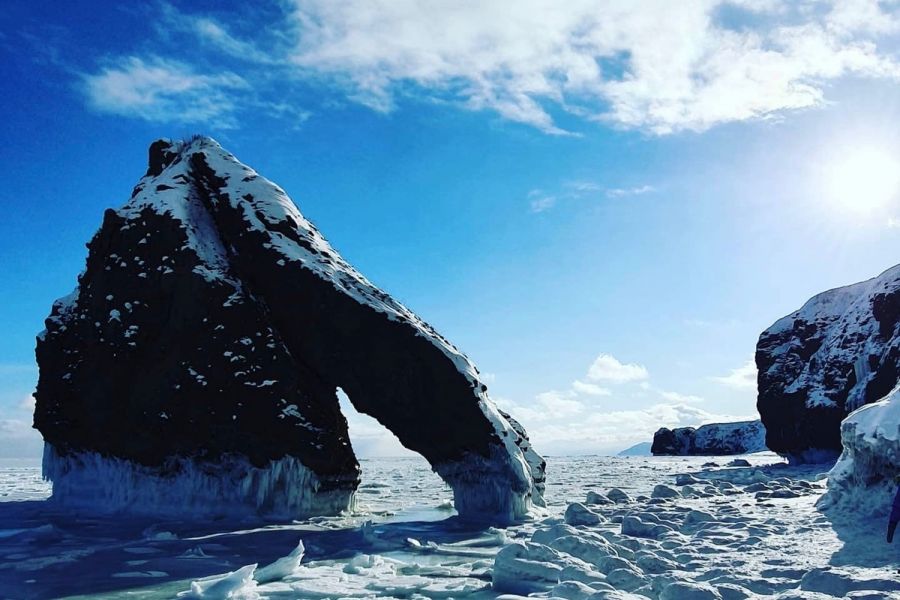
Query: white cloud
point(634, 191)
point(659, 66)
point(19, 440)
point(598, 432)
point(608, 368)
point(539, 202)
point(27, 403)
point(742, 378)
point(559, 404)
point(162, 90)
point(583, 187)
point(590, 389)
point(680, 398)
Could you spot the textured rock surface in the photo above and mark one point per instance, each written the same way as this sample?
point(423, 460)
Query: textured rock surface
point(714, 439)
point(841, 350)
point(209, 332)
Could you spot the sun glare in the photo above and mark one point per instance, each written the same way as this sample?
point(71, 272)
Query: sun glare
point(864, 182)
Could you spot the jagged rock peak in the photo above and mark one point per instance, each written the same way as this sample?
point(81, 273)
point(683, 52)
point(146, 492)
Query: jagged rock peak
point(838, 352)
point(209, 333)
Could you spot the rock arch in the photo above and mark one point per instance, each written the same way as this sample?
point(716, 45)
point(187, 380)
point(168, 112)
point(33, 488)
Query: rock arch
point(200, 354)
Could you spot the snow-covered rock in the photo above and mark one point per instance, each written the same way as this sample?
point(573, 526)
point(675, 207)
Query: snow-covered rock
point(662, 490)
point(838, 352)
point(201, 352)
point(579, 514)
point(863, 478)
point(618, 496)
point(716, 439)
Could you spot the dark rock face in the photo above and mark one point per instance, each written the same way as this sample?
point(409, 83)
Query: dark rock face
point(716, 439)
point(816, 365)
point(212, 326)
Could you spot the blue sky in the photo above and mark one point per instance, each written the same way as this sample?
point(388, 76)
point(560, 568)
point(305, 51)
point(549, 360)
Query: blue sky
point(603, 206)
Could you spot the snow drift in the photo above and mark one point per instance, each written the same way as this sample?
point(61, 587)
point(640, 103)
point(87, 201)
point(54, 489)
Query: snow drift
point(838, 352)
point(200, 355)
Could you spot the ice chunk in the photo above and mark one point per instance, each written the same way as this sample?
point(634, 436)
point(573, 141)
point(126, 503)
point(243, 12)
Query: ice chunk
point(618, 496)
point(282, 567)
point(683, 590)
point(579, 514)
point(236, 585)
point(664, 491)
point(526, 567)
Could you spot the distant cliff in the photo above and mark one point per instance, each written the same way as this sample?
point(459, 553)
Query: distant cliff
point(714, 439)
point(840, 351)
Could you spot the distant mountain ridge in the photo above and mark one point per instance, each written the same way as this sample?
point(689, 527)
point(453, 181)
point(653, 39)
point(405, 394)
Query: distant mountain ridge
point(639, 449)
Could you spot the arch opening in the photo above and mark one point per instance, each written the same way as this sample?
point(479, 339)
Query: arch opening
point(393, 479)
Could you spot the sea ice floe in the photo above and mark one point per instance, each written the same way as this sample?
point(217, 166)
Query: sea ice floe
point(723, 545)
point(236, 585)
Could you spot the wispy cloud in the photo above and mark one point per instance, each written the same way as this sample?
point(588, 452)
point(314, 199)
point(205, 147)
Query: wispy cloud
point(634, 191)
point(603, 431)
point(741, 378)
point(680, 398)
point(589, 389)
point(661, 67)
point(27, 403)
point(19, 440)
point(579, 420)
point(156, 89)
point(540, 202)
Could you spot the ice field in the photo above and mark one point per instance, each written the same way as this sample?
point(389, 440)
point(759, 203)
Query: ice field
point(676, 529)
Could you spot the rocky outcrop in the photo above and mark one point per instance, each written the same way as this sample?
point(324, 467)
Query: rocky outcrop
point(715, 439)
point(840, 351)
point(197, 362)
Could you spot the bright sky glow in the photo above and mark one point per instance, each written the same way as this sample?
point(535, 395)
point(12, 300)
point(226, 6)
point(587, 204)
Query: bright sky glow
point(864, 182)
point(603, 206)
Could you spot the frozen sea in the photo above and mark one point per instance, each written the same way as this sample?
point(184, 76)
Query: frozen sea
point(712, 532)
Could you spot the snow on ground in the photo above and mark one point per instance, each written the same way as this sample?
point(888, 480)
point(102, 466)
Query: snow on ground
point(674, 529)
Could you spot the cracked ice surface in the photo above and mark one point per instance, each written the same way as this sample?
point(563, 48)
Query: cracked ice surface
point(673, 530)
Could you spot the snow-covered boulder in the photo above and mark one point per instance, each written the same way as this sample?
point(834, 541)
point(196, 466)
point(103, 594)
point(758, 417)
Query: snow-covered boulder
point(863, 478)
point(715, 439)
point(579, 514)
point(838, 352)
point(195, 366)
